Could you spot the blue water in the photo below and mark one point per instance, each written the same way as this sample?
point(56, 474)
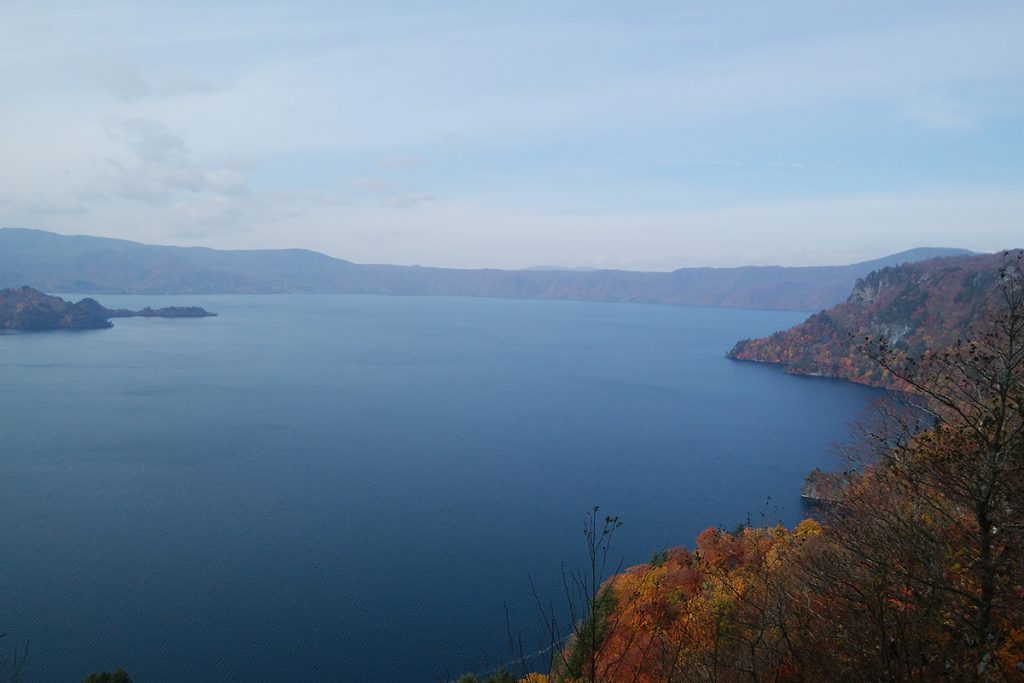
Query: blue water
point(350, 488)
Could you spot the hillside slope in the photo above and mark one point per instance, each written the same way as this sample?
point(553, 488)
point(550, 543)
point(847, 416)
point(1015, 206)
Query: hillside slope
point(95, 265)
point(916, 307)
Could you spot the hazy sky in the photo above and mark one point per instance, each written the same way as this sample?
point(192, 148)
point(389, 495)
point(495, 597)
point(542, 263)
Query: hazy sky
point(626, 134)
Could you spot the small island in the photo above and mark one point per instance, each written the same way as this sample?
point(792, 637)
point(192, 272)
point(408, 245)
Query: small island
point(27, 309)
point(167, 312)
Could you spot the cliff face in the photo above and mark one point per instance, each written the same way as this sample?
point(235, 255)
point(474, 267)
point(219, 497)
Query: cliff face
point(29, 309)
point(916, 307)
point(826, 488)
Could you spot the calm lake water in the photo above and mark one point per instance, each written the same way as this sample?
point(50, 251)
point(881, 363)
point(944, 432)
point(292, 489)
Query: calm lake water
point(349, 488)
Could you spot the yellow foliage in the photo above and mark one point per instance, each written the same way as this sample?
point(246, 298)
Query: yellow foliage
point(1011, 655)
point(806, 528)
point(534, 678)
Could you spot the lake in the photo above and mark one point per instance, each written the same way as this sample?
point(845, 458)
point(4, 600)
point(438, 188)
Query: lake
point(350, 488)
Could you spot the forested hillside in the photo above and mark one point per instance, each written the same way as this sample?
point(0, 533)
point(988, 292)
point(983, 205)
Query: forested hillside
point(915, 307)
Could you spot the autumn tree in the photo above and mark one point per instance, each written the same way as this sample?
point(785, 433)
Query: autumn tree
point(590, 603)
point(582, 625)
point(927, 548)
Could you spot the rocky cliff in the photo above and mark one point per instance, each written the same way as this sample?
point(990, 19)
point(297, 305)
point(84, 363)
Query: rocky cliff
point(915, 307)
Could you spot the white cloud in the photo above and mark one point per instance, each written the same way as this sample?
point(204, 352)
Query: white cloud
point(391, 195)
point(160, 168)
point(941, 112)
point(402, 161)
point(17, 204)
point(407, 200)
point(115, 76)
point(372, 184)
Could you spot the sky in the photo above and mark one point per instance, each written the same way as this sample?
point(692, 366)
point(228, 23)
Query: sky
point(613, 134)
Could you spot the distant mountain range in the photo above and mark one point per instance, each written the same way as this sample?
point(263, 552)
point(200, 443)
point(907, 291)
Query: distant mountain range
point(96, 265)
point(917, 307)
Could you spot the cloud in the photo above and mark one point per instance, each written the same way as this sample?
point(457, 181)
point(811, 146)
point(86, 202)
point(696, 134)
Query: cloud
point(941, 112)
point(126, 82)
point(402, 161)
point(391, 195)
point(153, 167)
point(116, 77)
point(372, 184)
point(184, 86)
point(14, 203)
point(408, 200)
point(740, 163)
point(310, 198)
point(151, 140)
point(161, 168)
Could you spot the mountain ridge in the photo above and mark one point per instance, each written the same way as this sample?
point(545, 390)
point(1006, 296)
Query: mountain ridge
point(99, 265)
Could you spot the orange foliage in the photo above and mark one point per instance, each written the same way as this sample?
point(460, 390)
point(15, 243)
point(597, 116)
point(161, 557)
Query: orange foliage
point(677, 619)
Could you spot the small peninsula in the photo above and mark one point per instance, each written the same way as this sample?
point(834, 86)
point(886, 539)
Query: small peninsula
point(28, 309)
point(915, 307)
